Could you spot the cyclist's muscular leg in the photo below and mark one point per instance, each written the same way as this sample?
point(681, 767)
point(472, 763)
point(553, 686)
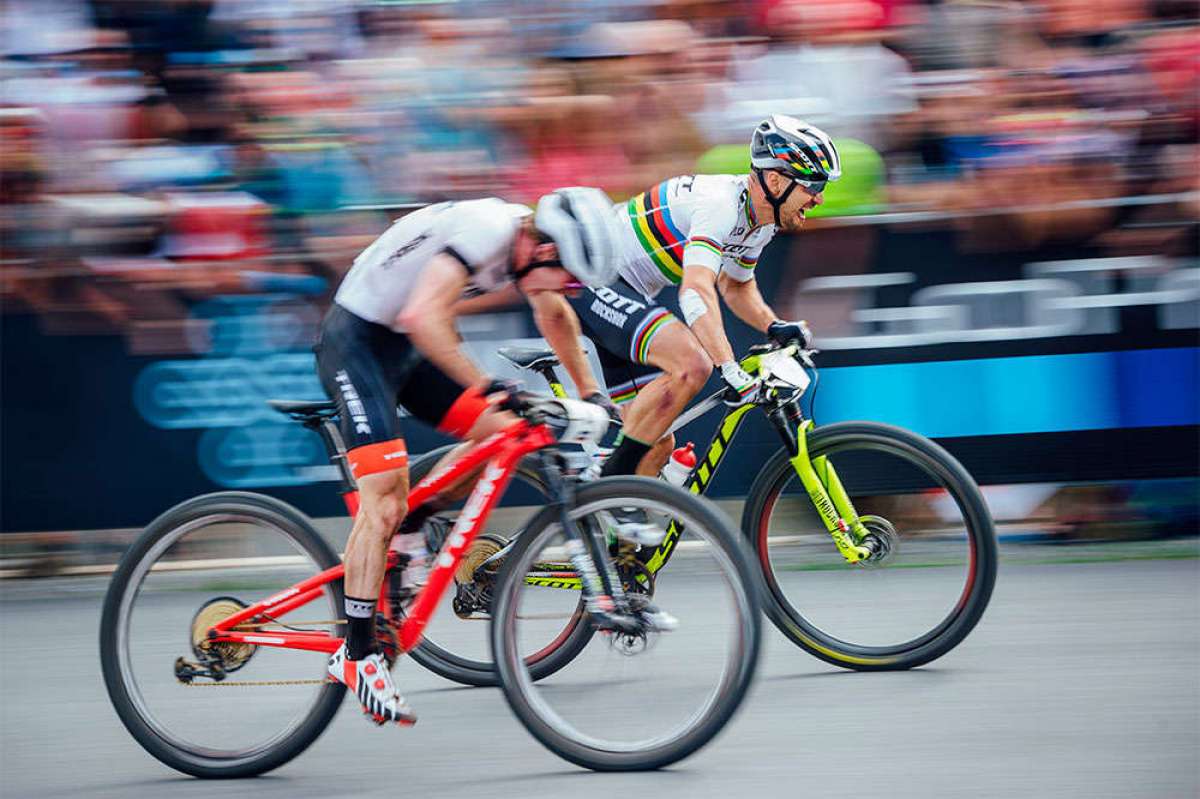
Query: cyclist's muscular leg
point(653, 461)
point(381, 471)
point(473, 418)
point(383, 500)
point(686, 368)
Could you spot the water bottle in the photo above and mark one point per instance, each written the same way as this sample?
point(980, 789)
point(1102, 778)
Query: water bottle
point(680, 465)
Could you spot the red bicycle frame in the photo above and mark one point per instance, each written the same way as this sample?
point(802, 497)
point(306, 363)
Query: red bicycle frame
point(499, 454)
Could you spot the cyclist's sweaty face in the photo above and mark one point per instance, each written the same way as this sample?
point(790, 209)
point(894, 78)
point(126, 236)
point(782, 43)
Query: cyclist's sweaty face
point(799, 203)
point(536, 266)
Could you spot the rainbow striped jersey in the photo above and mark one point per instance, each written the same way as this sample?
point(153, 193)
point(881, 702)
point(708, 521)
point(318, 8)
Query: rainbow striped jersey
point(690, 220)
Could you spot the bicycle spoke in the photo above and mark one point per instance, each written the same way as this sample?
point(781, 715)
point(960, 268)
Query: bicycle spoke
point(627, 694)
point(162, 619)
point(934, 563)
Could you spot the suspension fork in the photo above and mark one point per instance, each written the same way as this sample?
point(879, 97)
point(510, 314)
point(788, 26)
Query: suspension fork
point(822, 484)
point(587, 551)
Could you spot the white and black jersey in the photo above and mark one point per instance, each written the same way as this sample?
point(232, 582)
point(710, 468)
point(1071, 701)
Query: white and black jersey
point(478, 233)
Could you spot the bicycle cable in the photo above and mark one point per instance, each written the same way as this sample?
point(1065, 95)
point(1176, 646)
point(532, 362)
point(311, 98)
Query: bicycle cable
point(812, 399)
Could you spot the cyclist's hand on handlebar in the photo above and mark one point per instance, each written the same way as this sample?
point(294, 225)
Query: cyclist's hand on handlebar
point(740, 387)
point(784, 333)
point(503, 394)
point(601, 399)
point(494, 385)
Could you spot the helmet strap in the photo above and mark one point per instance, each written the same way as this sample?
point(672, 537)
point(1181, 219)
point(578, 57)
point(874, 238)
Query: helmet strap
point(776, 202)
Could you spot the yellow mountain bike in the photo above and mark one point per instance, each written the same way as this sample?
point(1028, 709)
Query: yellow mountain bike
point(876, 546)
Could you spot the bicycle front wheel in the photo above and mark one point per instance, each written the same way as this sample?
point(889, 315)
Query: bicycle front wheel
point(933, 580)
point(632, 702)
point(199, 563)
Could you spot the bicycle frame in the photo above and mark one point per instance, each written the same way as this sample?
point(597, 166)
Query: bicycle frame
point(817, 475)
point(499, 455)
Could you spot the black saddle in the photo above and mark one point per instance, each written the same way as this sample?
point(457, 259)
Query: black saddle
point(528, 357)
point(305, 410)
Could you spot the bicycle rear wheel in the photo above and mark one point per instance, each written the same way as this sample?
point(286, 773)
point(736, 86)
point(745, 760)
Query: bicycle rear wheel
point(633, 702)
point(458, 648)
point(918, 601)
point(196, 564)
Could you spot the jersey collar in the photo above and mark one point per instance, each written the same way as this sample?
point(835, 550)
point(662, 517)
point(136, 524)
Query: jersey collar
point(748, 208)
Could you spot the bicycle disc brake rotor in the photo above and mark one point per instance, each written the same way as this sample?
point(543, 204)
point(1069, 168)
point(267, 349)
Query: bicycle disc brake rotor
point(883, 538)
point(231, 656)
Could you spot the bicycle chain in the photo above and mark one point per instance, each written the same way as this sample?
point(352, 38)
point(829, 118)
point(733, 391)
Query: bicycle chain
point(249, 683)
point(261, 683)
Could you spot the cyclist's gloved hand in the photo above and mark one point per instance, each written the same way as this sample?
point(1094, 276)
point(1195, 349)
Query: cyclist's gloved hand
point(496, 385)
point(610, 407)
point(504, 394)
point(784, 333)
point(740, 386)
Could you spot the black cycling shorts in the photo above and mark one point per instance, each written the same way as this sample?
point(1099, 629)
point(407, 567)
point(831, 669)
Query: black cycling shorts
point(622, 323)
point(369, 369)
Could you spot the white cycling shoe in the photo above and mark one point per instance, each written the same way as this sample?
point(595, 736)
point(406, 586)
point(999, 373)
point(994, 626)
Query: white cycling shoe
point(371, 682)
point(633, 525)
point(658, 620)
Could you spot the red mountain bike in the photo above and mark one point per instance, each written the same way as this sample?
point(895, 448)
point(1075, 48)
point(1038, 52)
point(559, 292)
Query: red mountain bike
point(213, 588)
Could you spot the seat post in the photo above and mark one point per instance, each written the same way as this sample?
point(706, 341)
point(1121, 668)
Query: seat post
point(548, 374)
point(335, 448)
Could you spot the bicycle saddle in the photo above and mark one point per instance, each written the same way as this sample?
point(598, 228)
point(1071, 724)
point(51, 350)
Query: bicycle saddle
point(305, 409)
point(528, 357)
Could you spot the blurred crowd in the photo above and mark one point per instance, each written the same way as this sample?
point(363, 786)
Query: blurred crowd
point(154, 152)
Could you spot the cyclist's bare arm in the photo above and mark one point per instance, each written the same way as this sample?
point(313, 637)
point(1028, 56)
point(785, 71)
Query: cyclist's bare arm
point(705, 320)
point(560, 327)
point(492, 301)
point(746, 301)
point(428, 318)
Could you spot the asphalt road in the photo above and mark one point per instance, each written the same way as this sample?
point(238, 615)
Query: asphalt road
point(1081, 681)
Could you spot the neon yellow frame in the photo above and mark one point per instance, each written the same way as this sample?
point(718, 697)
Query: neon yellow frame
point(818, 477)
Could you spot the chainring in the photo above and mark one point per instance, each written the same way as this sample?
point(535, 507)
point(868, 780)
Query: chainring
point(230, 656)
point(636, 577)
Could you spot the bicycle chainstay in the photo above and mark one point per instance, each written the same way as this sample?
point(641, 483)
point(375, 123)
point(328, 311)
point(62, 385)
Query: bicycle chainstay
point(212, 683)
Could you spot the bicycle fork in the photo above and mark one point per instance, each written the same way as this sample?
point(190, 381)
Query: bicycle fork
point(825, 489)
point(587, 551)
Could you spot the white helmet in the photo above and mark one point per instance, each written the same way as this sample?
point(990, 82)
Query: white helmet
point(799, 150)
point(803, 152)
point(580, 222)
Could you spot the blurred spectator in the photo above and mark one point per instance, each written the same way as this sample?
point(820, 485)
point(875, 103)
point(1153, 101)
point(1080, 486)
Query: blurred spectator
point(826, 61)
point(566, 139)
point(275, 137)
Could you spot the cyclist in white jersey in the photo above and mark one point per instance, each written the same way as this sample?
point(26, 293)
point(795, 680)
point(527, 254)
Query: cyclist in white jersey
point(389, 339)
point(704, 234)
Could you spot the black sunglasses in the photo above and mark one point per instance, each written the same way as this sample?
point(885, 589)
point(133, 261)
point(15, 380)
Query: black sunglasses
point(813, 187)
